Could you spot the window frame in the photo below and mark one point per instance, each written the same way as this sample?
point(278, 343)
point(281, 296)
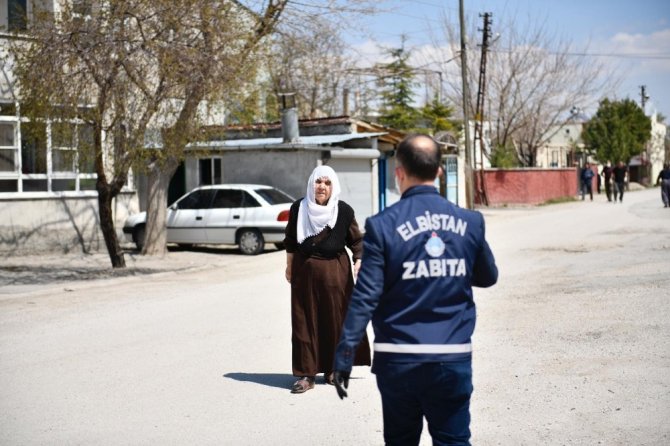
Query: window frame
point(51, 178)
point(214, 163)
point(18, 27)
point(14, 147)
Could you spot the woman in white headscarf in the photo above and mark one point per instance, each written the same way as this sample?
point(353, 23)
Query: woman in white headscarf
point(318, 267)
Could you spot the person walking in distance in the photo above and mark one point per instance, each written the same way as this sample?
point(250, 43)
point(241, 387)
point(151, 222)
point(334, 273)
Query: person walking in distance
point(586, 176)
point(421, 258)
point(607, 176)
point(620, 172)
point(664, 179)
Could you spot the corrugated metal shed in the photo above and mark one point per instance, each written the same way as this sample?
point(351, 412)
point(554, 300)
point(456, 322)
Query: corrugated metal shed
point(317, 142)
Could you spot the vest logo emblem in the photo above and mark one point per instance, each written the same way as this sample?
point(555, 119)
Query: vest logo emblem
point(435, 246)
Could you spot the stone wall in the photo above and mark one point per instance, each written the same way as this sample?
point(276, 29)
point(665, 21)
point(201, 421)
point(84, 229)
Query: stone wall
point(57, 224)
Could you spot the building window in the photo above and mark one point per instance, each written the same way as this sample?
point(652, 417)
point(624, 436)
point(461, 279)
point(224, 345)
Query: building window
point(71, 156)
point(210, 171)
point(33, 148)
point(17, 15)
point(63, 147)
point(8, 147)
point(46, 157)
point(82, 8)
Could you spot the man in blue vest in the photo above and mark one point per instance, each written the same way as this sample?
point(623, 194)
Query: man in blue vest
point(421, 258)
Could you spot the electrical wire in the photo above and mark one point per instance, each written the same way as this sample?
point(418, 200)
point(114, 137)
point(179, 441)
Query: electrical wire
point(660, 56)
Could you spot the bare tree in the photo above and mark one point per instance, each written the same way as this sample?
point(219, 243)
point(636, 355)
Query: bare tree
point(142, 73)
point(137, 68)
point(533, 80)
point(311, 62)
point(207, 52)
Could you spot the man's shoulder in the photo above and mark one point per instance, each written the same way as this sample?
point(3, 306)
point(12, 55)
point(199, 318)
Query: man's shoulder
point(433, 203)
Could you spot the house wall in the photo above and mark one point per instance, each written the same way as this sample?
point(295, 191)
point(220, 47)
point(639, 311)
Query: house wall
point(287, 171)
point(560, 141)
point(656, 148)
point(357, 181)
point(63, 224)
point(528, 186)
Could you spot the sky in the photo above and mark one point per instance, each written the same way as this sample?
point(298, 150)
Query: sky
point(634, 34)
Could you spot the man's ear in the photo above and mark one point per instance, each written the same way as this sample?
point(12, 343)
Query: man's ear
point(440, 172)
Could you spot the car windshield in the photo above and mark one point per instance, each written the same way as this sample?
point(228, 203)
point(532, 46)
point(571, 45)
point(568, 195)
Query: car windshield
point(274, 196)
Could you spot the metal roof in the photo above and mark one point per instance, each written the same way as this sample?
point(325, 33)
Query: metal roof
point(304, 142)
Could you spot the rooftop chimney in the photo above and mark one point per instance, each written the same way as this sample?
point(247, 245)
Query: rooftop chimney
point(289, 118)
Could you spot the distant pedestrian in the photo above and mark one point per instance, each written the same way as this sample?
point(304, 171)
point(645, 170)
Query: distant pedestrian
point(664, 180)
point(607, 175)
point(620, 174)
point(586, 176)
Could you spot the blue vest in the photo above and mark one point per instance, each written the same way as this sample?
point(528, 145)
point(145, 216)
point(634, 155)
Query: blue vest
point(421, 258)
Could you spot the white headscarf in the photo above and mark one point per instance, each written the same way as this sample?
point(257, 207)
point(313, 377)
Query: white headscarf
point(313, 217)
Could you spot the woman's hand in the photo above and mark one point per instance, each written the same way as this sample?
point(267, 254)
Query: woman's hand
point(357, 266)
point(289, 263)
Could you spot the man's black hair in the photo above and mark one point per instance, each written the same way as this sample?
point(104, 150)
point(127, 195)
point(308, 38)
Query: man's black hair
point(419, 159)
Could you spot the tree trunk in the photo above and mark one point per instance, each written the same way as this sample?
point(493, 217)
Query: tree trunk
point(107, 226)
point(158, 180)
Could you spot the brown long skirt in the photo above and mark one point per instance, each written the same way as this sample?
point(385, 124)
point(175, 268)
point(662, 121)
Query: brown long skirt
point(320, 294)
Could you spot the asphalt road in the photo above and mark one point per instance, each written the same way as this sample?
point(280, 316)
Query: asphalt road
point(572, 346)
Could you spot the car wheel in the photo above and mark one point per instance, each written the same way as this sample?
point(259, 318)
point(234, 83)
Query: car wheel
point(279, 246)
point(138, 236)
point(251, 242)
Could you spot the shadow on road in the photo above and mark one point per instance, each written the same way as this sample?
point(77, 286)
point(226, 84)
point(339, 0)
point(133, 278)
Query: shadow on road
point(281, 380)
point(216, 249)
point(42, 275)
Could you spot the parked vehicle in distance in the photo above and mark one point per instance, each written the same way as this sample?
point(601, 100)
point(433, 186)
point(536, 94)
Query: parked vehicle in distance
point(248, 215)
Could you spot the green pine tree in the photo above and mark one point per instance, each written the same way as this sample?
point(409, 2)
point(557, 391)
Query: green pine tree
point(436, 117)
point(397, 82)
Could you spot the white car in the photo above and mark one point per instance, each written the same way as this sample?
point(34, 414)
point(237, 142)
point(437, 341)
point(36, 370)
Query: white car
point(248, 215)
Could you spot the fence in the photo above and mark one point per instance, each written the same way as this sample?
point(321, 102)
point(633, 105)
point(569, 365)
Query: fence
point(527, 185)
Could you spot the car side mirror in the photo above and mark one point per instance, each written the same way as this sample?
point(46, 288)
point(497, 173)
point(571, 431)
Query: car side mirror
point(174, 206)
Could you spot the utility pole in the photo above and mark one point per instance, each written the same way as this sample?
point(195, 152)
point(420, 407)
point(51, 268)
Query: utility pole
point(479, 111)
point(469, 187)
point(645, 154)
point(643, 96)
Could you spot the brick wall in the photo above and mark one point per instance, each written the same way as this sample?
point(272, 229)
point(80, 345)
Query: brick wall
point(529, 186)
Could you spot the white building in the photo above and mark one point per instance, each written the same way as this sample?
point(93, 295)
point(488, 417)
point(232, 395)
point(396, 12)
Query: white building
point(562, 143)
point(48, 199)
point(650, 162)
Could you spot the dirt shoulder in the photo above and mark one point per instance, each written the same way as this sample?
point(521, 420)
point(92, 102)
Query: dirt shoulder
point(20, 274)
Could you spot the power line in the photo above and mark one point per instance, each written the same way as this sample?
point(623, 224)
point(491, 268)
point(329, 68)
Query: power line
point(659, 56)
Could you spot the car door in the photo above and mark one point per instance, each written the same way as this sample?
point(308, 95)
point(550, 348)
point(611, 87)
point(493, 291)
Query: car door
point(230, 210)
point(224, 215)
point(187, 217)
